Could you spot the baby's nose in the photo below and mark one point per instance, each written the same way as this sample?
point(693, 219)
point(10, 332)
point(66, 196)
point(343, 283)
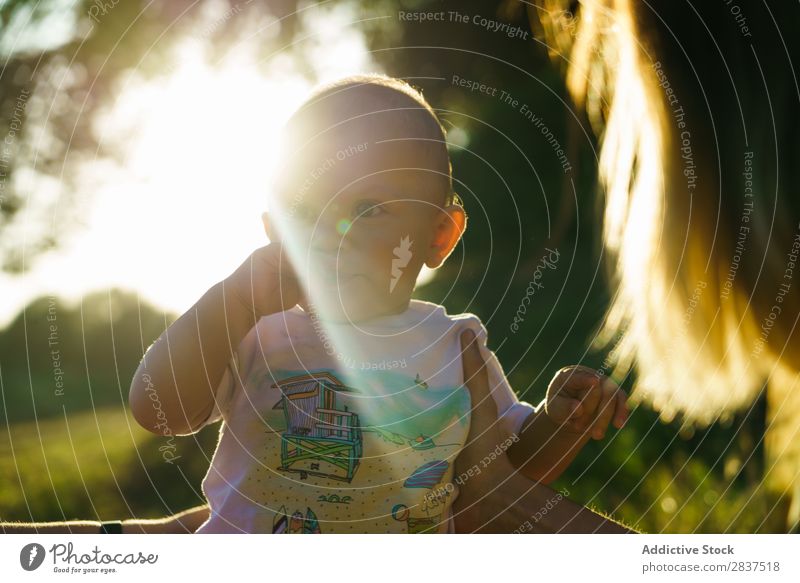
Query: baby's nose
point(327, 240)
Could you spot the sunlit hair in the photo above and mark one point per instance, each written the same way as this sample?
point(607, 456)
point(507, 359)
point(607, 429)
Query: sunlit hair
point(697, 275)
point(346, 99)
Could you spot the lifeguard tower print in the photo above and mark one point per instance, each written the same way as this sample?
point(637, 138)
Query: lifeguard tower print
point(320, 439)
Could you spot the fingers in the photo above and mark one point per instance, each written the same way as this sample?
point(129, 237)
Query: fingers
point(269, 281)
point(577, 382)
point(600, 401)
point(275, 254)
point(605, 410)
point(613, 408)
point(564, 410)
point(573, 397)
point(622, 411)
point(483, 428)
point(476, 378)
point(576, 379)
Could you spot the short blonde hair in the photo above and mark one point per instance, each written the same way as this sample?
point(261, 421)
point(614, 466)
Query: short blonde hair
point(395, 96)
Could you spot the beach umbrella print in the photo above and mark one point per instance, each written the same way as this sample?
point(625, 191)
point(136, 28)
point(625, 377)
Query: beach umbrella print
point(427, 475)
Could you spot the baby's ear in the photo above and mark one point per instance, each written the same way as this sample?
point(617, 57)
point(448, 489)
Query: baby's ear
point(448, 228)
point(269, 228)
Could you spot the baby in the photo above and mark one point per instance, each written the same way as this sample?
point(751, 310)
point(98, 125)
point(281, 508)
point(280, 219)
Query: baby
point(342, 399)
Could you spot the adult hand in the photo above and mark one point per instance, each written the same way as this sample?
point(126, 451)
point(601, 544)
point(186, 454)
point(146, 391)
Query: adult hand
point(184, 522)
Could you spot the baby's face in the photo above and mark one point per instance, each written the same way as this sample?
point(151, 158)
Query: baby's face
point(358, 214)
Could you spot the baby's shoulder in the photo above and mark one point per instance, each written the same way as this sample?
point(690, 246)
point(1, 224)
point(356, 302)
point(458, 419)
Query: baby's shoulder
point(436, 316)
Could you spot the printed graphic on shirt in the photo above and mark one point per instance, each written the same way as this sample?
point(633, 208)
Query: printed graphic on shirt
point(356, 452)
point(428, 476)
point(320, 438)
point(418, 524)
point(297, 523)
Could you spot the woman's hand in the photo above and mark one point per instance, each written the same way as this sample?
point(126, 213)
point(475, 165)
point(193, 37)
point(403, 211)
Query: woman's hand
point(495, 498)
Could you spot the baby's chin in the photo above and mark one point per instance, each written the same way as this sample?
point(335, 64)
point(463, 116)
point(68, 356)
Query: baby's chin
point(336, 311)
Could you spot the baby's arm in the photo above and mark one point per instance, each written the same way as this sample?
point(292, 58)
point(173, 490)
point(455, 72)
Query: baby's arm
point(544, 449)
point(539, 450)
point(172, 391)
point(580, 405)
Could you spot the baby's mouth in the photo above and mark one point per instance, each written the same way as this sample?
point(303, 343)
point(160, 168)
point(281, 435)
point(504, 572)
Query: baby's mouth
point(330, 277)
point(332, 268)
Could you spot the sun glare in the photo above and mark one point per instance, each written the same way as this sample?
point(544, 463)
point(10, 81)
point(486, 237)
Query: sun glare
point(185, 208)
point(196, 148)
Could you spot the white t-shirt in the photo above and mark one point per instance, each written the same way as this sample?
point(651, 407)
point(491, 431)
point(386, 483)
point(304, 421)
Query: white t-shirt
point(331, 427)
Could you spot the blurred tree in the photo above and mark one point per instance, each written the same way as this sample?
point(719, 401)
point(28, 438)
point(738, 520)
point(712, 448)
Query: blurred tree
point(62, 65)
point(58, 359)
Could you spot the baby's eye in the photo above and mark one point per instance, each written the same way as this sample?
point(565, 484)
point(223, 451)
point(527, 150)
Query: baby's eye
point(366, 209)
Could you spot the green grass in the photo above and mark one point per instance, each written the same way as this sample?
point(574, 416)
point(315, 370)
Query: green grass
point(97, 465)
point(676, 493)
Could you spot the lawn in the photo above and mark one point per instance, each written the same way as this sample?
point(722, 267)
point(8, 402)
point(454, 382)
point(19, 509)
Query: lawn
point(97, 465)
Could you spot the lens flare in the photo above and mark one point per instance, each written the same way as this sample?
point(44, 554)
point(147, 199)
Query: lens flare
point(342, 226)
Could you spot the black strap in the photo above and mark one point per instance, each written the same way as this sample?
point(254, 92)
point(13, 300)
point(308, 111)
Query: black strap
point(111, 527)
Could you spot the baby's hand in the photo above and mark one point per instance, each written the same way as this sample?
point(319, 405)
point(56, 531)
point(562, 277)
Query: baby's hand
point(582, 400)
point(265, 282)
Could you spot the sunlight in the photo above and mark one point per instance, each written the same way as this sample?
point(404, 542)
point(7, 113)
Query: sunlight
point(197, 147)
point(202, 166)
